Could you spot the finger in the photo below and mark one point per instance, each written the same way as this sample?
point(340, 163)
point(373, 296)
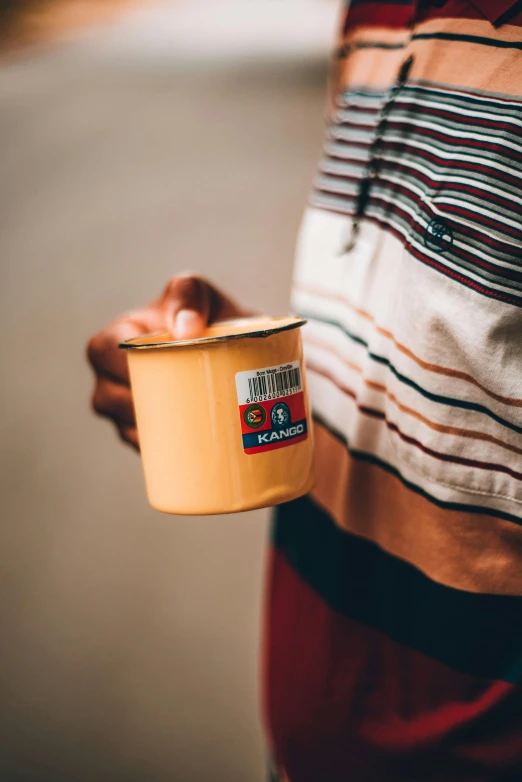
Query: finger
point(187, 304)
point(129, 435)
point(105, 355)
point(114, 400)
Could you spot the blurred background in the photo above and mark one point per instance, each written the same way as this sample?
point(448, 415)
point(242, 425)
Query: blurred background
point(136, 140)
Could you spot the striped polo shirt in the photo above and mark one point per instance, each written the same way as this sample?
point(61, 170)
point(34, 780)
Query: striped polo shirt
point(394, 621)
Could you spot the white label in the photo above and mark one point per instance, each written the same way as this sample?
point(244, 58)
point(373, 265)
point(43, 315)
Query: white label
point(260, 385)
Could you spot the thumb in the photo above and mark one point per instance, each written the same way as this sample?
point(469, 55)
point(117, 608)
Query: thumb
point(186, 303)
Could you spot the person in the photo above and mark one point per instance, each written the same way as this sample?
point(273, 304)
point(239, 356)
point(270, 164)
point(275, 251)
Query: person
point(393, 645)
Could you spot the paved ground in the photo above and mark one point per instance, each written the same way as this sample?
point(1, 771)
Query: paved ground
point(129, 639)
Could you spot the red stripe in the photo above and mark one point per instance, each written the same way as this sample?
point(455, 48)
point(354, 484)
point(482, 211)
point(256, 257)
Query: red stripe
point(500, 272)
point(346, 703)
point(485, 166)
point(463, 143)
point(429, 179)
point(514, 252)
point(407, 166)
point(509, 298)
point(483, 220)
point(505, 202)
point(376, 14)
point(454, 116)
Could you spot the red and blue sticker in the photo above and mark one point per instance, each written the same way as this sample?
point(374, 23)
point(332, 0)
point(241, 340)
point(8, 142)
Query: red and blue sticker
point(272, 407)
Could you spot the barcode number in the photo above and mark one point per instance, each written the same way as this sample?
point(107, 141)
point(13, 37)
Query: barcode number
point(281, 383)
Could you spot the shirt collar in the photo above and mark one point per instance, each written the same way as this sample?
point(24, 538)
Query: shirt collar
point(493, 10)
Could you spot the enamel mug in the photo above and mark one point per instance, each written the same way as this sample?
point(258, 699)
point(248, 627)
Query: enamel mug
point(223, 420)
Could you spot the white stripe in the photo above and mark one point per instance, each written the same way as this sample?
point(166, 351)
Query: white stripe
point(482, 137)
point(430, 87)
point(339, 186)
point(459, 110)
point(318, 303)
point(347, 98)
point(462, 180)
point(370, 435)
point(349, 134)
point(353, 118)
point(482, 161)
point(484, 212)
point(343, 375)
point(344, 169)
point(334, 167)
point(356, 153)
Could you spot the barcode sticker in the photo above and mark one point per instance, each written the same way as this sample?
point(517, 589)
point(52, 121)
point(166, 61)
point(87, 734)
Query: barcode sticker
point(271, 406)
point(260, 385)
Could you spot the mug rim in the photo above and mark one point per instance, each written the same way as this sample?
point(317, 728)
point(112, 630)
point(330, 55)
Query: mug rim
point(292, 322)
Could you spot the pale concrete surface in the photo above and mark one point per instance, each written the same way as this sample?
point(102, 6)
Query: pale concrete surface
point(129, 639)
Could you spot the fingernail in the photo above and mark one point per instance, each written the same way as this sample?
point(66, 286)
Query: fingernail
point(189, 324)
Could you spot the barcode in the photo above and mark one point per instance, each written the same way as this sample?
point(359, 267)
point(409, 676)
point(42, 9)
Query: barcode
point(275, 384)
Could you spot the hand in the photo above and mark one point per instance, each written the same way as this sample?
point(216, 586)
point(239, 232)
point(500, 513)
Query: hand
point(184, 309)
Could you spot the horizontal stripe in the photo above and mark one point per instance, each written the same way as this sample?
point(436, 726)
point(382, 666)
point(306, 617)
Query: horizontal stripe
point(341, 207)
point(454, 158)
point(444, 141)
point(390, 16)
point(401, 216)
point(393, 427)
point(475, 95)
point(476, 39)
point(501, 264)
point(370, 458)
point(473, 185)
point(358, 397)
point(450, 430)
point(427, 365)
point(441, 399)
point(477, 152)
point(463, 550)
point(466, 141)
point(500, 268)
point(442, 157)
point(451, 104)
point(346, 49)
point(434, 54)
point(347, 703)
point(407, 173)
point(477, 634)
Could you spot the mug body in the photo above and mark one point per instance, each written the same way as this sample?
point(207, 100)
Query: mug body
point(223, 421)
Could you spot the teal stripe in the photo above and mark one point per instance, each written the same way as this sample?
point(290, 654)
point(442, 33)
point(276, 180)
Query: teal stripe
point(443, 400)
point(477, 634)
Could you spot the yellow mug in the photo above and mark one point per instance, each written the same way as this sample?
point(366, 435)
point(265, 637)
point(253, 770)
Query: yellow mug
point(223, 420)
